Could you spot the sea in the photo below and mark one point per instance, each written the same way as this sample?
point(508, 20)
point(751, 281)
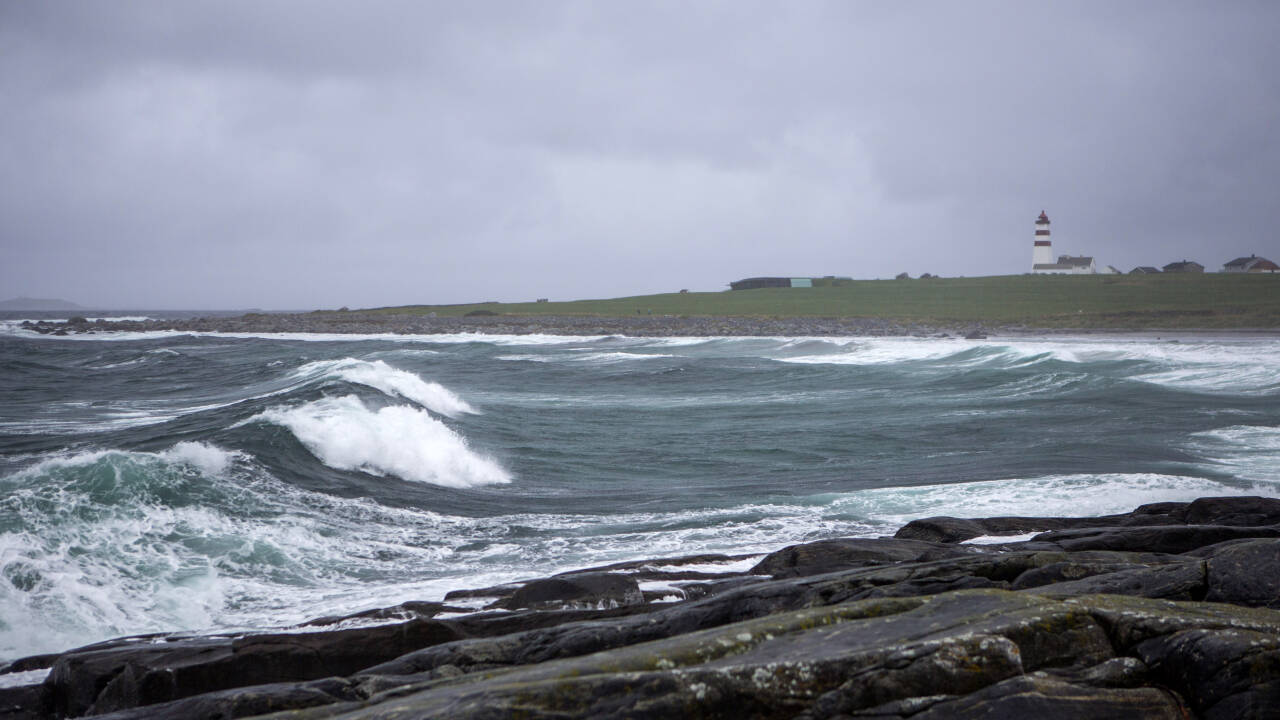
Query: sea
point(162, 482)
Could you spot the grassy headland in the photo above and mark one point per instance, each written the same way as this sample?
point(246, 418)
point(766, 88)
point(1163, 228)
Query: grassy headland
point(1043, 301)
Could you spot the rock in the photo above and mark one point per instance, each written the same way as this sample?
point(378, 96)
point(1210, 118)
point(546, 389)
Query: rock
point(1177, 581)
point(1068, 571)
point(1042, 698)
point(143, 673)
point(593, 590)
point(1250, 511)
point(24, 702)
point(841, 554)
point(955, 530)
point(867, 652)
point(1227, 673)
point(1162, 539)
point(246, 702)
point(1246, 573)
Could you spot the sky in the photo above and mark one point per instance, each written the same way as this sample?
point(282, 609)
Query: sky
point(299, 155)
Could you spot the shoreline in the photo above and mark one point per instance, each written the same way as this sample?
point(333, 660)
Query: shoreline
point(1169, 610)
point(355, 323)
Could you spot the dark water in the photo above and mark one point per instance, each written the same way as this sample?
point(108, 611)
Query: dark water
point(181, 482)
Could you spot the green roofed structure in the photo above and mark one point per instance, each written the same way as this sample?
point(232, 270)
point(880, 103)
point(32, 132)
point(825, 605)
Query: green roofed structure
point(790, 282)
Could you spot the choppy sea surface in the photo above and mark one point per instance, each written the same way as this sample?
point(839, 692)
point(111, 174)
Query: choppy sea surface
point(186, 482)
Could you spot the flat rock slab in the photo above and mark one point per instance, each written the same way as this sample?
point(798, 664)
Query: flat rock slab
point(978, 653)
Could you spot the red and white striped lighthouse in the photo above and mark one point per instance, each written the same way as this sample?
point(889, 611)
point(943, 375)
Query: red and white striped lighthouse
point(1042, 252)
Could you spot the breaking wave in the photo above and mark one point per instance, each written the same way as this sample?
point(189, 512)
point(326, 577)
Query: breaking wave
point(345, 434)
point(391, 381)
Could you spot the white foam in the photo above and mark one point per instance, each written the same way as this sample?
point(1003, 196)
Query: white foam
point(728, 566)
point(998, 539)
point(26, 677)
point(397, 440)
point(1078, 495)
point(392, 381)
point(883, 351)
point(208, 459)
point(591, 358)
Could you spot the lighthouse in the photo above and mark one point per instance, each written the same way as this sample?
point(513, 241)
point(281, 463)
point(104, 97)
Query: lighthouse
point(1042, 251)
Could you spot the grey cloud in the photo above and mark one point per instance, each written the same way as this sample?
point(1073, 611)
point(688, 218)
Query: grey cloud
point(296, 154)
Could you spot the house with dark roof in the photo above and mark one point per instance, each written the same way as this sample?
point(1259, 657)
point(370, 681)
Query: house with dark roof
point(1251, 264)
point(1186, 266)
point(1145, 270)
point(1066, 264)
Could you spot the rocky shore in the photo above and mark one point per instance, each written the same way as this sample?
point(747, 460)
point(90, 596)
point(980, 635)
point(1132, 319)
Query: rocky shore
point(1169, 611)
point(637, 326)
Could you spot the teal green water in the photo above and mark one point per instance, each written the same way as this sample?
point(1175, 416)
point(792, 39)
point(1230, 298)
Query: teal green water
point(172, 482)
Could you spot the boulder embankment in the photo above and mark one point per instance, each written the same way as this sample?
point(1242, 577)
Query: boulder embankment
point(1169, 611)
point(361, 323)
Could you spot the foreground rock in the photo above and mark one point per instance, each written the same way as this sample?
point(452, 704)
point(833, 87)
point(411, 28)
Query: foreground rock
point(1168, 611)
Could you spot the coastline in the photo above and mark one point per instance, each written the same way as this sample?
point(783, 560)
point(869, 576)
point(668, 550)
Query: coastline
point(1170, 610)
point(357, 323)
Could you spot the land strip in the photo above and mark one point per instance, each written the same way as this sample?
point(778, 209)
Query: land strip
point(1006, 305)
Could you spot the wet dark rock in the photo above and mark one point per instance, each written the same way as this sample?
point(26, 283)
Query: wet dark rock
point(1162, 539)
point(1042, 698)
point(844, 553)
point(956, 530)
point(1248, 511)
point(1177, 581)
point(144, 673)
point(592, 590)
point(24, 702)
point(246, 701)
point(1227, 673)
point(1245, 573)
point(1081, 565)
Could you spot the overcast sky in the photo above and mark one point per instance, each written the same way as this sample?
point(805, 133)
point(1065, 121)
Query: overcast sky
point(294, 155)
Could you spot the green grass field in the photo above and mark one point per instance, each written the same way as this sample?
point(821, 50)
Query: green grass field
point(1086, 301)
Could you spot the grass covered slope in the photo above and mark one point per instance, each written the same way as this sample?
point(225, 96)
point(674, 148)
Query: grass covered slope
point(1085, 301)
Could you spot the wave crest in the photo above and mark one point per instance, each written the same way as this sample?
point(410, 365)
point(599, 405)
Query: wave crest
point(391, 381)
point(396, 440)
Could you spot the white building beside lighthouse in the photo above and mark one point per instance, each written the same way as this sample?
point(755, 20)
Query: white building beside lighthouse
point(1042, 261)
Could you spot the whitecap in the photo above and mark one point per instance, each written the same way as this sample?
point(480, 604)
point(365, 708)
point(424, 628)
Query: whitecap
point(392, 381)
point(397, 440)
point(208, 459)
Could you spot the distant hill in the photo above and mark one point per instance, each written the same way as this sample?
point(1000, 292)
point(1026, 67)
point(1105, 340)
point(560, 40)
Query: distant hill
point(26, 303)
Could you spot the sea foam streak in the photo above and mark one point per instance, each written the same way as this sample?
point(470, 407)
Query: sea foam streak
point(392, 381)
point(1077, 495)
point(397, 440)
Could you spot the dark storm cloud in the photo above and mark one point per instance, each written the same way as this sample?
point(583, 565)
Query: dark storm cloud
point(307, 154)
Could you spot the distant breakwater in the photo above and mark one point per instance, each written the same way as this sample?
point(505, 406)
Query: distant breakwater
point(404, 324)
